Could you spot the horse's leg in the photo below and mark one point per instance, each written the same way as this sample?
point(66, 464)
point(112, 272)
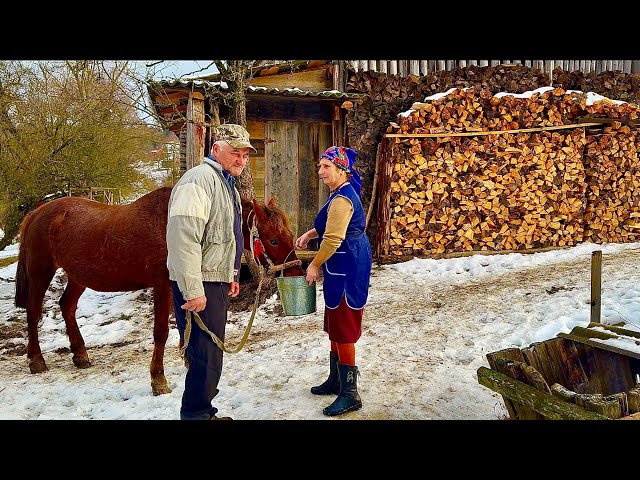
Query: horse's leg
point(68, 305)
point(40, 276)
point(161, 306)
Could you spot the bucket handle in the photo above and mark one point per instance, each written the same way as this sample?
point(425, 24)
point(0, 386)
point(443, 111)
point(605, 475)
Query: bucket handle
point(285, 261)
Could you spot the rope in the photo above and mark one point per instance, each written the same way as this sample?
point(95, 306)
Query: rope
point(187, 332)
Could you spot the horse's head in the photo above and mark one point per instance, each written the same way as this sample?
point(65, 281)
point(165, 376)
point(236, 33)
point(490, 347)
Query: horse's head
point(274, 237)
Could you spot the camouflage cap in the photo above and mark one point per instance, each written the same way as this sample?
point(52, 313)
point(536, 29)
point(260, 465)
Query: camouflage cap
point(235, 135)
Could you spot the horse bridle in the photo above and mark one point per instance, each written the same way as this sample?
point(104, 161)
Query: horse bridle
point(254, 237)
point(270, 273)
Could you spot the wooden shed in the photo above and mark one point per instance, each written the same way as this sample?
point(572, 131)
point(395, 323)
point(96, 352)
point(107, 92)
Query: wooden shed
point(294, 111)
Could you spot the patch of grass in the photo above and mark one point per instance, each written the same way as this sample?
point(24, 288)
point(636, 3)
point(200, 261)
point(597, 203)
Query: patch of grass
point(4, 262)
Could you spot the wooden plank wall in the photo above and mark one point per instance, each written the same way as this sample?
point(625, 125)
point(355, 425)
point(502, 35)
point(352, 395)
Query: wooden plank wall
point(281, 168)
point(314, 79)
point(256, 131)
point(308, 184)
point(286, 167)
point(325, 141)
point(424, 67)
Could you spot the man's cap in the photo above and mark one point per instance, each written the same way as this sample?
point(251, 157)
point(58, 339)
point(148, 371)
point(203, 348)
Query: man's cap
point(235, 135)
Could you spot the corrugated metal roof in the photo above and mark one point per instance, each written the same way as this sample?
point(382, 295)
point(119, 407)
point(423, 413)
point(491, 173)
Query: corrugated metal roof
point(286, 92)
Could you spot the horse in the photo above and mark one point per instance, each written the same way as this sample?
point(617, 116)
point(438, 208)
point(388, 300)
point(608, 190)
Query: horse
point(114, 248)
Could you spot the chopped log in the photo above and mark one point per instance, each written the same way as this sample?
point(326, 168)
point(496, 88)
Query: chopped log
point(582, 399)
point(621, 398)
point(535, 379)
point(633, 400)
point(608, 406)
point(563, 393)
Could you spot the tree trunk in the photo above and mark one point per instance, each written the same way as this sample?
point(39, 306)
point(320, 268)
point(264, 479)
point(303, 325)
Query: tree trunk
point(235, 75)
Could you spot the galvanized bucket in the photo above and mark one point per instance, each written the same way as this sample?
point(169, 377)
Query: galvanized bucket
point(296, 296)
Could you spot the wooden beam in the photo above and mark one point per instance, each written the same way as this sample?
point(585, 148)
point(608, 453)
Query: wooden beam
point(175, 108)
point(600, 340)
point(596, 290)
point(175, 97)
point(195, 131)
point(494, 132)
point(545, 404)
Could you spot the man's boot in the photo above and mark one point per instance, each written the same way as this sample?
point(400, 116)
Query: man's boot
point(348, 399)
point(331, 385)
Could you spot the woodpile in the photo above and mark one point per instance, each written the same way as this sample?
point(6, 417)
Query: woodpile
point(390, 94)
point(464, 188)
point(367, 123)
point(612, 169)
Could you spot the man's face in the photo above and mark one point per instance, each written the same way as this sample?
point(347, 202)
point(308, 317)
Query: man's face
point(233, 160)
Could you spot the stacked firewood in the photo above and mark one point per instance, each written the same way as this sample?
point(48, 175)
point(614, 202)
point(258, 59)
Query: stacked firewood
point(511, 190)
point(612, 166)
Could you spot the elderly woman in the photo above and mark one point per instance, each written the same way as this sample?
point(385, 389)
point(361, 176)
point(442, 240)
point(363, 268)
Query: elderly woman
point(344, 254)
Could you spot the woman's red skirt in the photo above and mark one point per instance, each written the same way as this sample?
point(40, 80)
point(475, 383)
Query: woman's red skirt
point(343, 324)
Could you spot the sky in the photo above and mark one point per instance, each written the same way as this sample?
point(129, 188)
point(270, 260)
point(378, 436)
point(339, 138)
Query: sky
point(171, 69)
point(427, 328)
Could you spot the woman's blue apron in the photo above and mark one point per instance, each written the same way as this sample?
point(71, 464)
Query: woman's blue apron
point(347, 271)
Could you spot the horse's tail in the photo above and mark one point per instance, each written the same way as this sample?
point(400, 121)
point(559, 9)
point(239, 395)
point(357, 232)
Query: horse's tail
point(22, 279)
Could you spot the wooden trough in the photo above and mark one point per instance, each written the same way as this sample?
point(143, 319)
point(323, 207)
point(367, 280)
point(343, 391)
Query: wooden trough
point(591, 373)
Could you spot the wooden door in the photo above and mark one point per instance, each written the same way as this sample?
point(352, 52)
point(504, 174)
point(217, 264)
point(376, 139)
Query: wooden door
point(281, 168)
point(292, 151)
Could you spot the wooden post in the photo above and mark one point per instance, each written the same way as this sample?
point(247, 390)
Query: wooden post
point(195, 129)
point(596, 276)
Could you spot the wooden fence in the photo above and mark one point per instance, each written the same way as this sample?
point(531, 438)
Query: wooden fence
point(424, 67)
point(111, 196)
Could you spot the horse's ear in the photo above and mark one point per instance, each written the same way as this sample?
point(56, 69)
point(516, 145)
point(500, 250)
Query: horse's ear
point(272, 202)
point(259, 212)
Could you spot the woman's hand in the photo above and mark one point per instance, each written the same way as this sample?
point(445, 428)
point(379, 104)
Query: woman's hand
point(302, 241)
point(312, 273)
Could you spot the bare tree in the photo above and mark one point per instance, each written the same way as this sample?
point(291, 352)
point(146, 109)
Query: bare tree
point(65, 125)
point(236, 74)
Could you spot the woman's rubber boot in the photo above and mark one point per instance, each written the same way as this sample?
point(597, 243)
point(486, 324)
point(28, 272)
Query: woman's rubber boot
point(348, 398)
point(331, 385)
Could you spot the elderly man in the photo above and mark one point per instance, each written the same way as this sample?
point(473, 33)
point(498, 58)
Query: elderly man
point(205, 243)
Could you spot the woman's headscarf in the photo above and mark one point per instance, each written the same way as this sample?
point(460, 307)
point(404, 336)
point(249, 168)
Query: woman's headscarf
point(344, 158)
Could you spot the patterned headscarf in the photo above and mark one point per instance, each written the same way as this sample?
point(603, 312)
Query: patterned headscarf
point(344, 158)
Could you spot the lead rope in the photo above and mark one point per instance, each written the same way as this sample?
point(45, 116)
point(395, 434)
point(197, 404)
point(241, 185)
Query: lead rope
point(187, 331)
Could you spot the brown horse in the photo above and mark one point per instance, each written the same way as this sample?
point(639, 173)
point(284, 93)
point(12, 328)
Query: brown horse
point(114, 248)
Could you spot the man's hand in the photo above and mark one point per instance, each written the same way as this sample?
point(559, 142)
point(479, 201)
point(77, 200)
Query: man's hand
point(196, 304)
point(234, 289)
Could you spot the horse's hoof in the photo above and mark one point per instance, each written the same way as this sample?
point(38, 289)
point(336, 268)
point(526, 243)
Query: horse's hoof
point(160, 387)
point(38, 365)
point(81, 361)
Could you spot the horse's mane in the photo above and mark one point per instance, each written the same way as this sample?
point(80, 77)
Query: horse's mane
point(156, 195)
point(154, 200)
point(277, 216)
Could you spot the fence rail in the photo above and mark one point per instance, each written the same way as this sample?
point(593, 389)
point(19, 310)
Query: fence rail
point(424, 67)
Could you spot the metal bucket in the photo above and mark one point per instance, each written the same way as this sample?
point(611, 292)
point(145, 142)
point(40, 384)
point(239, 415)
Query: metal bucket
point(296, 296)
